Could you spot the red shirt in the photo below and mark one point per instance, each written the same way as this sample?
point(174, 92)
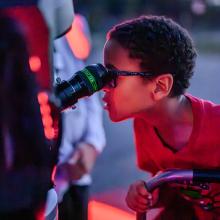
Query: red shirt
point(202, 150)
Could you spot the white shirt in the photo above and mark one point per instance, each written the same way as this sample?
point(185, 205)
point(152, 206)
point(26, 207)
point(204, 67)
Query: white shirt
point(84, 123)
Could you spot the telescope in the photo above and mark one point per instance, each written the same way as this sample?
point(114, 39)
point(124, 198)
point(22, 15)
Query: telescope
point(28, 171)
point(83, 83)
point(41, 22)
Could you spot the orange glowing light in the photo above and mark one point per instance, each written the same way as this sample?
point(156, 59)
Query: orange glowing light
point(78, 41)
point(42, 98)
point(101, 211)
point(53, 173)
point(45, 109)
point(35, 63)
point(47, 121)
point(49, 133)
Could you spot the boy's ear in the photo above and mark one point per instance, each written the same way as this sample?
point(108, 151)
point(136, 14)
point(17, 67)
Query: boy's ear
point(163, 86)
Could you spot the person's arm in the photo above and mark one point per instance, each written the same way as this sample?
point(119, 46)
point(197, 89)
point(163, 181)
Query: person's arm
point(94, 134)
point(91, 143)
point(93, 140)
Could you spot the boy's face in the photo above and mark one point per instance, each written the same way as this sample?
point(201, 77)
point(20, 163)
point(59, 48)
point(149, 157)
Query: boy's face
point(132, 94)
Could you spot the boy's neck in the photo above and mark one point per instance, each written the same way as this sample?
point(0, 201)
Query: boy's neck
point(174, 122)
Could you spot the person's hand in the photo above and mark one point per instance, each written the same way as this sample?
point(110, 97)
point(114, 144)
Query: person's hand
point(81, 162)
point(139, 199)
point(71, 169)
point(88, 155)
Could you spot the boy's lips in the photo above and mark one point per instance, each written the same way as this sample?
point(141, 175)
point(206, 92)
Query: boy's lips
point(106, 103)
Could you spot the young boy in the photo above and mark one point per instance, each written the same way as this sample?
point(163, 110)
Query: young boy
point(154, 59)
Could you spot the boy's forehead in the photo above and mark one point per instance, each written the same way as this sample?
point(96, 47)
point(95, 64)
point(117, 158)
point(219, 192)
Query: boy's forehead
point(114, 49)
point(119, 57)
point(111, 44)
point(114, 54)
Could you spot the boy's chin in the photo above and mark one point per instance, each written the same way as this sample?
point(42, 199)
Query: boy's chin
point(114, 118)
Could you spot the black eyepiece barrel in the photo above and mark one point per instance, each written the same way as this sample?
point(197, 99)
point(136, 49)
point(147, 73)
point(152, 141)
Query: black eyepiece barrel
point(83, 83)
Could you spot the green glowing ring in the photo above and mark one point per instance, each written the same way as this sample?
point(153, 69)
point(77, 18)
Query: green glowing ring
point(91, 79)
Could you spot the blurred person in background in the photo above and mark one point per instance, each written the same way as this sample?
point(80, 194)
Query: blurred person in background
point(83, 133)
point(153, 58)
point(24, 152)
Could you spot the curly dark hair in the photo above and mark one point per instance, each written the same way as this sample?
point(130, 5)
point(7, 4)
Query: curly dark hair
point(161, 44)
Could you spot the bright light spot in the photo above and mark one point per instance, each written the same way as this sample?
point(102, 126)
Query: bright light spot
point(47, 121)
point(53, 173)
point(45, 109)
point(49, 133)
point(101, 211)
point(35, 63)
point(42, 98)
point(198, 7)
